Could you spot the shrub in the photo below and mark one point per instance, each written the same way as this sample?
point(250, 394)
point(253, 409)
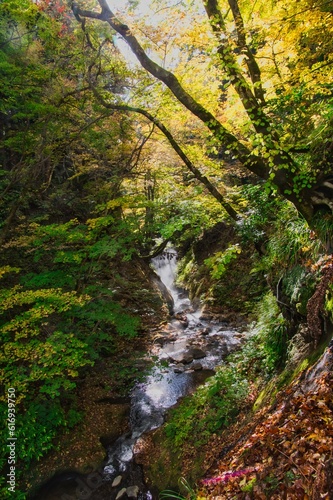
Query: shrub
point(212, 407)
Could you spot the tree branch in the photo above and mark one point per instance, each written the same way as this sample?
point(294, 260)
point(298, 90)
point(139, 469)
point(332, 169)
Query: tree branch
point(251, 62)
point(231, 67)
point(278, 169)
point(174, 144)
point(226, 139)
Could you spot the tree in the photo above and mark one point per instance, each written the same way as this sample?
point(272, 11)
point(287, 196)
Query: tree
point(61, 161)
point(263, 150)
point(52, 137)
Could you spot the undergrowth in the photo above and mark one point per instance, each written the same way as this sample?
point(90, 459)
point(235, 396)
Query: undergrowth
point(212, 407)
point(265, 350)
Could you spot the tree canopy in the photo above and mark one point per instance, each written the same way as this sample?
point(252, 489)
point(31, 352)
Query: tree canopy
point(242, 41)
point(217, 118)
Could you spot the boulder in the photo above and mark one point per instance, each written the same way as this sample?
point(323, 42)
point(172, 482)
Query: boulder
point(132, 491)
point(182, 357)
point(159, 339)
point(116, 482)
point(165, 293)
point(197, 353)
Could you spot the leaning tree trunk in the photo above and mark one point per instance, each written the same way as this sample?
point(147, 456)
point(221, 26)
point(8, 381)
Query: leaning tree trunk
point(278, 165)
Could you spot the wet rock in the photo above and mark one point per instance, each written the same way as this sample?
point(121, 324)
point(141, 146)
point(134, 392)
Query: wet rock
point(206, 317)
point(182, 318)
point(187, 358)
point(204, 331)
point(132, 491)
point(164, 292)
point(224, 324)
point(185, 306)
point(121, 493)
point(179, 369)
point(180, 324)
point(182, 357)
point(197, 353)
point(197, 366)
point(172, 338)
point(213, 342)
point(159, 340)
point(116, 482)
point(224, 348)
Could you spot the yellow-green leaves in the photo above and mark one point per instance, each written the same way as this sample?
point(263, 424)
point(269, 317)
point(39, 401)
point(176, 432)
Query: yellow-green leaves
point(218, 263)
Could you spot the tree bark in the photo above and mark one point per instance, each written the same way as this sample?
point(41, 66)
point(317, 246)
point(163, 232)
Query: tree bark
point(280, 169)
point(195, 171)
point(252, 65)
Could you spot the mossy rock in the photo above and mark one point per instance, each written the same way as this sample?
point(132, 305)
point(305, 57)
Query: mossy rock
point(164, 466)
point(290, 373)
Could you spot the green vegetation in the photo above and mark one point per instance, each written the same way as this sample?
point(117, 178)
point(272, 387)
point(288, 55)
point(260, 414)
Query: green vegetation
point(219, 262)
point(212, 407)
point(266, 348)
point(103, 162)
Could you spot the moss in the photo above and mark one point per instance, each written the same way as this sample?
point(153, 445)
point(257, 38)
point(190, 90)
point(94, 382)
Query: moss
point(329, 304)
point(164, 465)
point(266, 395)
point(287, 376)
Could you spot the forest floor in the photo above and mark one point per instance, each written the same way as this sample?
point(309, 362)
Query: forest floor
point(284, 450)
point(103, 399)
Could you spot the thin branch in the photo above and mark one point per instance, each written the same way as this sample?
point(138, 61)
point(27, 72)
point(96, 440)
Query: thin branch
point(136, 153)
point(198, 175)
point(228, 140)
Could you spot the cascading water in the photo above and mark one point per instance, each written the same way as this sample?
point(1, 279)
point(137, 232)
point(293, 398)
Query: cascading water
point(165, 266)
point(161, 389)
point(164, 386)
point(191, 348)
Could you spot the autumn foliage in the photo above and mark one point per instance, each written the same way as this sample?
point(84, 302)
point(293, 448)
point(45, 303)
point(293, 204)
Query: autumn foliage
point(286, 451)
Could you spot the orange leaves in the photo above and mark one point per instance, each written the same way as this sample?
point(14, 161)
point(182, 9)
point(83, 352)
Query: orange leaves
point(290, 447)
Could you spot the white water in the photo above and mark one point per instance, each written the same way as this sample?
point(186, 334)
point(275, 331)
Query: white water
point(163, 388)
point(165, 266)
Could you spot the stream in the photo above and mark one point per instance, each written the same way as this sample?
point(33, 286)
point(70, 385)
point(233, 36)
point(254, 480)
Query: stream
point(187, 351)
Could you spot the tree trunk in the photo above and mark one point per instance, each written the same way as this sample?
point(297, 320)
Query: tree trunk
point(279, 167)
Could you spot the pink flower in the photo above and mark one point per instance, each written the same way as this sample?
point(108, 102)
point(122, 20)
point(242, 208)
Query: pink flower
point(228, 475)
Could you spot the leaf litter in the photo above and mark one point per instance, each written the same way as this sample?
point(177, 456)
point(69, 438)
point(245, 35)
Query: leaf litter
point(283, 451)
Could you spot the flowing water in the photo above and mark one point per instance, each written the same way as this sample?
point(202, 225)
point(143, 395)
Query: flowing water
point(189, 349)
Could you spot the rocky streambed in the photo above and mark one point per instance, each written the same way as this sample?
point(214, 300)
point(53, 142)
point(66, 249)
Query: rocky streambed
point(185, 351)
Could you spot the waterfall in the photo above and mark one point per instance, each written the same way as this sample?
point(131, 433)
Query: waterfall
point(191, 347)
point(165, 266)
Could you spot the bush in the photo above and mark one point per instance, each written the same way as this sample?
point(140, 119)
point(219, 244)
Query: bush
point(266, 348)
point(212, 407)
